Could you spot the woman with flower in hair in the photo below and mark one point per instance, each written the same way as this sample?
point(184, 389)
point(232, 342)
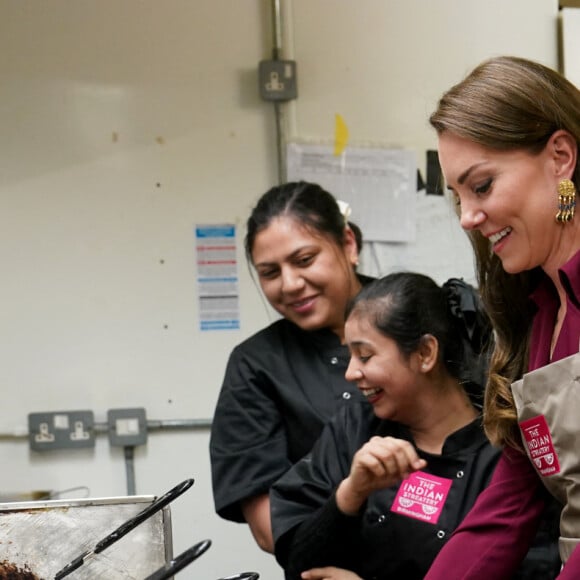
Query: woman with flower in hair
point(282, 384)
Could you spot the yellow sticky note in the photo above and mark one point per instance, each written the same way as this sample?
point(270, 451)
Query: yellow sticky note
point(340, 134)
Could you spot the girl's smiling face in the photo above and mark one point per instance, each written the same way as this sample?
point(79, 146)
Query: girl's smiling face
point(305, 275)
point(389, 380)
point(510, 197)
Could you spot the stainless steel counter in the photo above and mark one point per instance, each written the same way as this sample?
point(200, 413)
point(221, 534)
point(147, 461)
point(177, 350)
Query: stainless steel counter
point(44, 536)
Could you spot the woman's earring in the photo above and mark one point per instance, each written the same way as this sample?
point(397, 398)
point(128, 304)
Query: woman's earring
point(566, 201)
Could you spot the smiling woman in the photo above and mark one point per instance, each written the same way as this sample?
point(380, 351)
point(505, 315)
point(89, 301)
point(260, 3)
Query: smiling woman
point(385, 477)
point(298, 274)
point(283, 383)
point(387, 483)
point(502, 195)
point(509, 135)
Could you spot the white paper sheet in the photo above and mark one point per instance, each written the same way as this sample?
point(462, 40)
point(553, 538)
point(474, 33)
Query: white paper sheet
point(380, 185)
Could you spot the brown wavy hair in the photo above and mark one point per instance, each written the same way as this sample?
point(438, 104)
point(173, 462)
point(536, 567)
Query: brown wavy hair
point(508, 103)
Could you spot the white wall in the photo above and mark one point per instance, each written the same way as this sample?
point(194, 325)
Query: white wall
point(125, 123)
point(571, 44)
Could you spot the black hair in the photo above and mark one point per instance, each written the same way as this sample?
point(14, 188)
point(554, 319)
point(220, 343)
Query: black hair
point(358, 237)
point(308, 203)
point(405, 306)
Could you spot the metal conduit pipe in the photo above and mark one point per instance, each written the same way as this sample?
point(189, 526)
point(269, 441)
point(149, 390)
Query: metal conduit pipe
point(129, 451)
point(179, 424)
point(152, 425)
point(279, 108)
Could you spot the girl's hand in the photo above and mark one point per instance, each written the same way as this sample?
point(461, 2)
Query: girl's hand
point(329, 573)
point(379, 463)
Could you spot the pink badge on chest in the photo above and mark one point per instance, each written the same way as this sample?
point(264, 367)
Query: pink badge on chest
point(540, 447)
point(422, 496)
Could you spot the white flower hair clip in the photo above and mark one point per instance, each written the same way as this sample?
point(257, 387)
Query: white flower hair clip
point(344, 209)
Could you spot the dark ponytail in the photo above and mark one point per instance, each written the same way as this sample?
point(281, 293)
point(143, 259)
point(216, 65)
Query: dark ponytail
point(475, 330)
point(406, 306)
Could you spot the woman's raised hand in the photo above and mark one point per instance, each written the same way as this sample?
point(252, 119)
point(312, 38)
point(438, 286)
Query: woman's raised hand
point(379, 463)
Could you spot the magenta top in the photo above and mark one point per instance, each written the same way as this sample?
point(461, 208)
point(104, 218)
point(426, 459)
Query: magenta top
point(496, 534)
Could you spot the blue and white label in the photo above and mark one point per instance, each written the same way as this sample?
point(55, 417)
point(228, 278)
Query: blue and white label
point(217, 277)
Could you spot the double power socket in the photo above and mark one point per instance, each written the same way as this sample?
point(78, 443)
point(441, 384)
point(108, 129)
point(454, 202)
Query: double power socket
point(76, 429)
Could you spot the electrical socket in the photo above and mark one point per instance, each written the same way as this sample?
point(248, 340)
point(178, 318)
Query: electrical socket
point(61, 430)
point(127, 427)
point(278, 80)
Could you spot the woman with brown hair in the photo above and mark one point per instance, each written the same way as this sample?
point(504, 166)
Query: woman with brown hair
point(508, 146)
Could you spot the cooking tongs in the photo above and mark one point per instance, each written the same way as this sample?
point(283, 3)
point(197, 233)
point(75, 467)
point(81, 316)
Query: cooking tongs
point(185, 558)
point(125, 528)
point(180, 562)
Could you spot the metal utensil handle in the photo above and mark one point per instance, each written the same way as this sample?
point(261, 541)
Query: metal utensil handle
point(158, 504)
point(72, 566)
point(180, 561)
point(126, 527)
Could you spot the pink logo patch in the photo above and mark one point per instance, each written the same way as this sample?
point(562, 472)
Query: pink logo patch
point(540, 447)
point(422, 496)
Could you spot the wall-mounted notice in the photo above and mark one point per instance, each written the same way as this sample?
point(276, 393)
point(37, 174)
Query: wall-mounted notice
point(217, 277)
point(380, 184)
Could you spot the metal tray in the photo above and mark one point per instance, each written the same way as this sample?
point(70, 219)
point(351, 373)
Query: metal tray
point(44, 536)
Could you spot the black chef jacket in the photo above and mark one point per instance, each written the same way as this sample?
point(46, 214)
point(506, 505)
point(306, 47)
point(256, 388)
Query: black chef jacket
point(280, 387)
point(378, 543)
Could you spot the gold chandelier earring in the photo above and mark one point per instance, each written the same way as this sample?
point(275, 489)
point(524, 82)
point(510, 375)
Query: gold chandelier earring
point(566, 201)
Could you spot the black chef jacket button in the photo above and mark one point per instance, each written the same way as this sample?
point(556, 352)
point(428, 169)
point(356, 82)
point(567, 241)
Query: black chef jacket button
point(346, 395)
point(334, 360)
point(460, 474)
point(381, 518)
point(440, 534)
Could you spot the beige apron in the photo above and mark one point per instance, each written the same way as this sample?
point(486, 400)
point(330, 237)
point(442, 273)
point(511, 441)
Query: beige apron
point(548, 407)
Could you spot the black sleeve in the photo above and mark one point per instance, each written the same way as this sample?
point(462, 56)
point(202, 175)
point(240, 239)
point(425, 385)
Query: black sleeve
point(329, 537)
point(248, 446)
point(309, 529)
